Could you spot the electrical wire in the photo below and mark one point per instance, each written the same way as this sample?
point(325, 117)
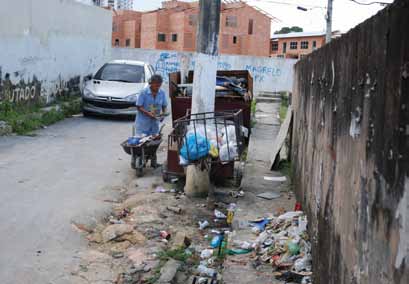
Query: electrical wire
point(289, 4)
point(369, 3)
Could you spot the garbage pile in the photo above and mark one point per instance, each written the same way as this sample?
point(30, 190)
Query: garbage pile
point(214, 140)
point(280, 241)
point(283, 242)
point(225, 86)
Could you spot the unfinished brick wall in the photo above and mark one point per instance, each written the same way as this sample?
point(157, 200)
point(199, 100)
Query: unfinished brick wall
point(351, 151)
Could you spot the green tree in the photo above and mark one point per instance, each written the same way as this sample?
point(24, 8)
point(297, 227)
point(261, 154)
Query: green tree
point(286, 30)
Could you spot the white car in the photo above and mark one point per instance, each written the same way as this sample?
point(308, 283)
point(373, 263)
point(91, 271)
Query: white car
point(115, 87)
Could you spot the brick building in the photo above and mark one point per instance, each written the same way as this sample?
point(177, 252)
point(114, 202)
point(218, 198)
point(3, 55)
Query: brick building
point(297, 44)
point(126, 29)
point(244, 29)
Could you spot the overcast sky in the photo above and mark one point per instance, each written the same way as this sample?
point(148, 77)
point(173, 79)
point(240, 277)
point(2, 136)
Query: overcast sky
point(346, 14)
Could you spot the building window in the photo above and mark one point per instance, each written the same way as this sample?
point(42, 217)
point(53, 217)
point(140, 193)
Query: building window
point(114, 27)
point(302, 56)
point(231, 21)
point(116, 42)
point(127, 42)
point(280, 56)
point(284, 47)
point(314, 45)
point(304, 45)
point(192, 20)
point(174, 37)
point(234, 39)
point(274, 46)
point(161, 37)
point(293, 45)
point(250, 26)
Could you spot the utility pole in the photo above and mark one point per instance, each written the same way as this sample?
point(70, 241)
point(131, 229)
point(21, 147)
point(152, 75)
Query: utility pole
point(329, 22)
point(204, 83)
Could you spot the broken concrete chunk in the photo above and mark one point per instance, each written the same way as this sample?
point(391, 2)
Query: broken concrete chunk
point(114, 231)
point(134, 237)
point(120, 247)
point(180, 241)
point(137, 256)
point(95, 238)
point(168, 272)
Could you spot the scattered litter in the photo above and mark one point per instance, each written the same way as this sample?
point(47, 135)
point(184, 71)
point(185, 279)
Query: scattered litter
point(160, 189)
point(216, 241)
point(238, 251)
point(175, 209)
point(207, 253)
point(219, 214)
point(297, 206)
point(236, 194)
point(174, 180)
point(164, 235)
point(203, 225)
point(290, 215)
point(230, 213)
point(259, 226)
point(114, 220)
point(205, 271)
point(269, 195)
point(283, 178)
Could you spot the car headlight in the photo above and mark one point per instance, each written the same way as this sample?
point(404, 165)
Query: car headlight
point(132, 98)
point(88, 94)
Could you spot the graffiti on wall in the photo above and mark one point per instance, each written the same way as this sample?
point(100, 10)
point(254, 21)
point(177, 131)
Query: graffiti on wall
point(262, 73)
point(63, 88)
point(34, 90)
point(21, 92)
point(170, 62)
point(167, 63)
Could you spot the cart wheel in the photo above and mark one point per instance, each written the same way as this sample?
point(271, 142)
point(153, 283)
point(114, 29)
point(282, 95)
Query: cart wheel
point(133, 162)
point(139, 167)
point(165, 177)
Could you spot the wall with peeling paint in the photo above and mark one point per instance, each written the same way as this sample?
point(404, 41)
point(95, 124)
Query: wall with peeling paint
point(269, 74)
point(351, 151)
point(47, 49)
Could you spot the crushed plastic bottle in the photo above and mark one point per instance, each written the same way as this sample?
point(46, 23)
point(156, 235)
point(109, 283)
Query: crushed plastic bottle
point(205, 271)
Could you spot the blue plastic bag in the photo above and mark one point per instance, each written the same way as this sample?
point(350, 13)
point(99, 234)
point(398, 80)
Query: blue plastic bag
point(133, 140)
point(195, 147)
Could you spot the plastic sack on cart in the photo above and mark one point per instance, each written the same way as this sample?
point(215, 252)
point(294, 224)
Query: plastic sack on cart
point(229, 134)
point(228, 153)
point(194, 147)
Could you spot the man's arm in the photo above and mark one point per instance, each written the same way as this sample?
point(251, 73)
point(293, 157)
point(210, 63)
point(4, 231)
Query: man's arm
point(145, 112)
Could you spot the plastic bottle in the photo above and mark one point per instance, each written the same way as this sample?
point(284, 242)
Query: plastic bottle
point(216, 241)
point(230, 213)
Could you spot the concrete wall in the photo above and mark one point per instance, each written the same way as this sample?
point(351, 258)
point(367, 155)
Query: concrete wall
point(47, 49)
point(351, 151)
point(269, 74)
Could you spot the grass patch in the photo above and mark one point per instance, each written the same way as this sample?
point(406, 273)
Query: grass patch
point(253, 107)
point(24, 119)
point(284, 106)
point(177, 254)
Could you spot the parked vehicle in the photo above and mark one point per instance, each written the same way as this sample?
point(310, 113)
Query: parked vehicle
point(115, 87)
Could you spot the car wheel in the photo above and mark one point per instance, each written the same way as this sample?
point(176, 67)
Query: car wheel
point(86, 113)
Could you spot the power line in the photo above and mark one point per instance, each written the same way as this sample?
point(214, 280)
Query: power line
point(288, 3)
point(369, 3)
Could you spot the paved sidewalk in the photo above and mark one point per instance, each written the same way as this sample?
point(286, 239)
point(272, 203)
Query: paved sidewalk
point(239, 269)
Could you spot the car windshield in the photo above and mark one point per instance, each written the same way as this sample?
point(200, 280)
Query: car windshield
point(121, 73)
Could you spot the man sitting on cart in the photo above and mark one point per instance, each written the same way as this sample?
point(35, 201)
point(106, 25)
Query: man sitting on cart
point(151, 107)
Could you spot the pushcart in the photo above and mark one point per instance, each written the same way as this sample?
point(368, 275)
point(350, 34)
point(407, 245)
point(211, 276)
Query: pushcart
point(143, 152)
